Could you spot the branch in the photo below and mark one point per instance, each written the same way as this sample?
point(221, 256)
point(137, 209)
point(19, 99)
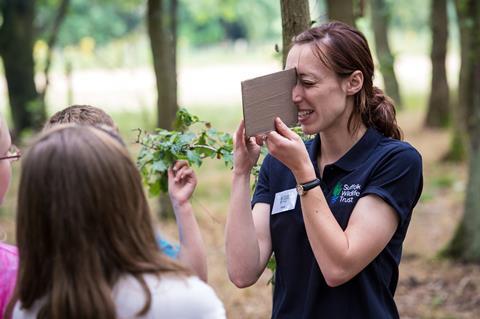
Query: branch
point(60, 17)
point(203, 146)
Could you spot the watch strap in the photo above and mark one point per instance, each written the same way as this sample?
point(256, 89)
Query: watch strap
point(309, 185)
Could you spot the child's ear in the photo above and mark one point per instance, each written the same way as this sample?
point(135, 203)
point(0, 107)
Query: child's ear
point(354, 82)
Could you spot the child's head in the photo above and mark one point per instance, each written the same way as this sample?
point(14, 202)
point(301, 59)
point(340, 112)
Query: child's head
point(81, 114)
point(82, 221)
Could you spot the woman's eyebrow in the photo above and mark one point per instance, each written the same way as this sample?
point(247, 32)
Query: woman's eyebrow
point(304, 74)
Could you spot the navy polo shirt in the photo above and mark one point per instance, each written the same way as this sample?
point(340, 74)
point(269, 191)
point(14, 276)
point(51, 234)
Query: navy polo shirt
point(386, 167)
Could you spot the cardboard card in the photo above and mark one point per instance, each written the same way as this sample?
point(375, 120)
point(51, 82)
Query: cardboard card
point(267, 97)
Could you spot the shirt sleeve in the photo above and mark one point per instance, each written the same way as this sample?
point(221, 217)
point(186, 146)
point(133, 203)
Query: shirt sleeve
point(8, 274)
point(263, 192)
point(398, 181)
point(167, 248)
point(171, 297)
point(203, 301)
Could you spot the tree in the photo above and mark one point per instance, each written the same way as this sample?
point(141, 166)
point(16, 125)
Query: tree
point(17, 35)
point(60, 17)
point(438, 113)
point(465, 244)
point(162, 30)
point(341, 10)
point(295, 19)
point(380, 20)
point(16, 50)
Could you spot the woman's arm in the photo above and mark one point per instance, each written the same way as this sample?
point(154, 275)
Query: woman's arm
point(247, 233)
point(247, 237)
point(343, 254)
point(340, 254)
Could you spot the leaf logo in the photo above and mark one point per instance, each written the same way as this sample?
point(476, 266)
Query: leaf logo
point(337, 190)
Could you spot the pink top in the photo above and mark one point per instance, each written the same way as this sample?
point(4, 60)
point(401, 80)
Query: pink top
point(8, 273)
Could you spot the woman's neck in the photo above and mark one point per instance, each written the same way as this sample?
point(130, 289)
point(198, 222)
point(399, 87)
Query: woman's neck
point(336, 143)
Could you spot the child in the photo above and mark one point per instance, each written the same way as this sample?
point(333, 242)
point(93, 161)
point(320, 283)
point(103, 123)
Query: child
point(182, 182)
point(86, 241)
point(8, 254)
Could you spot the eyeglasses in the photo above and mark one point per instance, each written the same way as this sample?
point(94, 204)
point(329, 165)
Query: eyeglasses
point(13, 154)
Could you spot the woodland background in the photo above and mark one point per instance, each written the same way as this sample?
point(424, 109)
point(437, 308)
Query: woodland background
point(142, 60)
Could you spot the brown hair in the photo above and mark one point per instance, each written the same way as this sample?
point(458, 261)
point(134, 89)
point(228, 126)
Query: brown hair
point(344, 50)
point(81, 114)
point(82, 222)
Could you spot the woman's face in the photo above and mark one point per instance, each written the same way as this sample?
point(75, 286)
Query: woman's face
point(5, 167)
point(320, 95)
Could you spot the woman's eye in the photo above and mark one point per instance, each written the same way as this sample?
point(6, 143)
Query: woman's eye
point(308, 83)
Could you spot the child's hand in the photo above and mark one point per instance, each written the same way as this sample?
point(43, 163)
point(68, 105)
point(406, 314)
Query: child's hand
point(181, 182)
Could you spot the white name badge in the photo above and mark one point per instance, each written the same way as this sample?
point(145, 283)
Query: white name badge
point(284, 201)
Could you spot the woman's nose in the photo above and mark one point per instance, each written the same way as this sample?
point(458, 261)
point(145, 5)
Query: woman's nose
point(297, 93)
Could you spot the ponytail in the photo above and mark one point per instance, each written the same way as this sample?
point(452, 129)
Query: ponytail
point(380, 113)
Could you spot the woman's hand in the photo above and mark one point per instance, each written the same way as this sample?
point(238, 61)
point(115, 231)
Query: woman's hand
point(245, 151)
point(286, 146)
point(181, 182)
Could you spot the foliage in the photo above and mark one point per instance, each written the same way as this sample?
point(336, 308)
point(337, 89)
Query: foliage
point(272, 265)
point(212, 21)
point(102, 21)
point(193, 141)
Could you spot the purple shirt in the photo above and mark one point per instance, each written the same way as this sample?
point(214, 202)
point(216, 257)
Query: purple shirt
point(8, 274)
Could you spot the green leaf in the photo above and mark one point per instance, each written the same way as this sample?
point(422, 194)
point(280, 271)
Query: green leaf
point(160, 166)
point(162, 148)
point(154, 189)
point(194, 158)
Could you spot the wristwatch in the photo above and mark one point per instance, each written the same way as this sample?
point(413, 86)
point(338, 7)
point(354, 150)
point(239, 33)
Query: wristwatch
point(302, 189)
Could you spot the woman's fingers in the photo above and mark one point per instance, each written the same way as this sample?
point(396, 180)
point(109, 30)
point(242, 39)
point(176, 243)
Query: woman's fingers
point(283, 129)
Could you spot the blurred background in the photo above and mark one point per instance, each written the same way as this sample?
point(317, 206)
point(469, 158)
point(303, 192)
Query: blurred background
point(141, 60)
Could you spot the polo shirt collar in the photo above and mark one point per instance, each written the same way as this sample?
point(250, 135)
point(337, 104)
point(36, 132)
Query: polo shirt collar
point(355, 156)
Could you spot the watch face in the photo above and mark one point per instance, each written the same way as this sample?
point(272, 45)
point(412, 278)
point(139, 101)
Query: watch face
point(300, 190)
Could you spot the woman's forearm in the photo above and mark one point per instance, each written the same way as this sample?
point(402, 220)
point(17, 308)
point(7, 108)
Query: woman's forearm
point(242, 247)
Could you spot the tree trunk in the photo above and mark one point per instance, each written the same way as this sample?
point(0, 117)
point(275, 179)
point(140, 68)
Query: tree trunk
point(16, 49)
point(459, 144)
point(341, 10)
point(163, 45)
point(465, 244)
point(295, 19)
point(380, 20)
point(438, 114)
point(161, 21)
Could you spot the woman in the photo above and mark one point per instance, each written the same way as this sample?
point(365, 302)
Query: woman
point(338, 242)
point(8, 254)
point(86, 241)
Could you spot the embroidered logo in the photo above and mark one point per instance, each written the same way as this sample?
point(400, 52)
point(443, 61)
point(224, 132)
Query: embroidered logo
point(336, 193)
point(345, 193)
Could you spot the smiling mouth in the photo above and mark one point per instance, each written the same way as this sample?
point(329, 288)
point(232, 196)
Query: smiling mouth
point(304, 114)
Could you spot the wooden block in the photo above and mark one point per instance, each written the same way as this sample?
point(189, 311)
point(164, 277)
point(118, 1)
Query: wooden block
point(267, 97)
